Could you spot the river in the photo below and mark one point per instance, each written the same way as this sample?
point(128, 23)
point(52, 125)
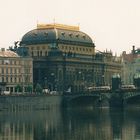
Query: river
point(71, 124)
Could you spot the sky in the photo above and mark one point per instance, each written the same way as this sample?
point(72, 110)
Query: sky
point(112, 24)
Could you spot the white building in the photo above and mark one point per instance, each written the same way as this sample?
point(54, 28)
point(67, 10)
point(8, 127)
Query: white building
point(131, 65)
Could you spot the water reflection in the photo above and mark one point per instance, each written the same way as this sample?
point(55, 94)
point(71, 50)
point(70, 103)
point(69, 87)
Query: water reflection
point(71, 124)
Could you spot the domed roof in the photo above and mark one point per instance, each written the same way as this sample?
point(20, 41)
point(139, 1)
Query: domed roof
point(56, 33)
point(7, 53)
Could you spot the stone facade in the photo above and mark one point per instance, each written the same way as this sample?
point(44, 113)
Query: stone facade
point(65, 58)
point(131, 65)
point(15, 71)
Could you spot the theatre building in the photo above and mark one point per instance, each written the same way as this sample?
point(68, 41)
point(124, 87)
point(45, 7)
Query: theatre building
point(64, 58)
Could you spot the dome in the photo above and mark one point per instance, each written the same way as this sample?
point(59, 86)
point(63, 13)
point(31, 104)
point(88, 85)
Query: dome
point(7, 53)
point(56, 33)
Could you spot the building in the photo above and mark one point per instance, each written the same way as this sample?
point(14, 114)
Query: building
point(15, 72)
point(131, 65)
point(64, 58)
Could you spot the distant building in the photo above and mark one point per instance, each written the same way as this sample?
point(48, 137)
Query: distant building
point(131, 65)
point(15, 72)
point(64, 57)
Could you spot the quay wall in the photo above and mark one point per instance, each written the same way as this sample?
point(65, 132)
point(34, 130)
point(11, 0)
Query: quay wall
point(15, 103)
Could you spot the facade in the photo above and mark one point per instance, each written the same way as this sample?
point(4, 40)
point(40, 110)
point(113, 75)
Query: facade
point(15, 72)
point(131, 66)
point(64, 58)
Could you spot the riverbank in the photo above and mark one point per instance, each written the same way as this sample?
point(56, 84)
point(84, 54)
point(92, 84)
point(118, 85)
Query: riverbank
point(29, 102)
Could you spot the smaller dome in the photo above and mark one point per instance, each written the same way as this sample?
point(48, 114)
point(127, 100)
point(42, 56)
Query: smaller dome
point(8, 53)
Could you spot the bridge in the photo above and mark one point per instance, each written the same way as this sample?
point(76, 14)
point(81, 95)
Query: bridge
point(101, 98)
point(91, 98)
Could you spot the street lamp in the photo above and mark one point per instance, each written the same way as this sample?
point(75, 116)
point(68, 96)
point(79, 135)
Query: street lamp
point(103, 80)
point(45, 82)
point(81, 80)
point(79, 75)
point(52, 81)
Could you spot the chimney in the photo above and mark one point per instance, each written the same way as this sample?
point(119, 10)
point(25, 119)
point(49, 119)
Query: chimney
point(133, 50)
point(2, 49)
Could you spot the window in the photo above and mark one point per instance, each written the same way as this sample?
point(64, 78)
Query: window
point(77, 35)
point(15, 79)
point(37, 53)
point(2, 62)
point(84, 36)
point(6, 70)
point(15, 70)
point(63, 33)
point(19, 70)
point(11, 79)
point(7, 88)
point(10, 62)
point(19, 79)
point(46, 34)
point(40, 53)
point(32, 53)
point(6, 79)
point(2, 79)
point(70, 34)
point(11, 70)
point(2, 71)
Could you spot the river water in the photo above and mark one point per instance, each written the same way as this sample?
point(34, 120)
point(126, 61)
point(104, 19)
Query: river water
point(71, 124)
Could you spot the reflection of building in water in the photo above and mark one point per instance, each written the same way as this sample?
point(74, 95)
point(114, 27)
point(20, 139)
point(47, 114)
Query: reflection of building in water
point(37, 125)
point(85, 125)
point(16, 131)
point(129, 131)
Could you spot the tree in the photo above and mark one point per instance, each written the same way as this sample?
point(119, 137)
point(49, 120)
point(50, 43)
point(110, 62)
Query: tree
point(18, 88)
point(38, 88)
point(29, 88)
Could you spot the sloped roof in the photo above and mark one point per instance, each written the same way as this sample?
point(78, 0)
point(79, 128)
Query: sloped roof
point(8, 53)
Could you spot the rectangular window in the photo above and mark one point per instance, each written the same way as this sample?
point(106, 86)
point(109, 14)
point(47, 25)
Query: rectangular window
point(6, 70)
point(2, 79)
point(15, 79)
point(11, 79)
point(11, 70)
point(2, 71)
point(7, 79)
point(15, 70)
point(7, 88)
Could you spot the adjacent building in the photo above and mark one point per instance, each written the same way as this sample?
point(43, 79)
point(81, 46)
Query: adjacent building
point(131, 65)
point(15, 72)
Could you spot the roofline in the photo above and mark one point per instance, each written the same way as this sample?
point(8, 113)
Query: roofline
point(58, 41)
point(58, 26)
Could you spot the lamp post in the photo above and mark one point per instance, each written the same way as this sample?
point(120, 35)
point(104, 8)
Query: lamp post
point(81, 79)
point(64, 73)
point(103, 82)
point(45, 82)
point(52, 81)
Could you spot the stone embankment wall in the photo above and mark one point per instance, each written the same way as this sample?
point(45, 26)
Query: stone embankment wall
point(17, 103)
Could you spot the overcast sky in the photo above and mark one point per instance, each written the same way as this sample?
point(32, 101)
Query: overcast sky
point(112, 24)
